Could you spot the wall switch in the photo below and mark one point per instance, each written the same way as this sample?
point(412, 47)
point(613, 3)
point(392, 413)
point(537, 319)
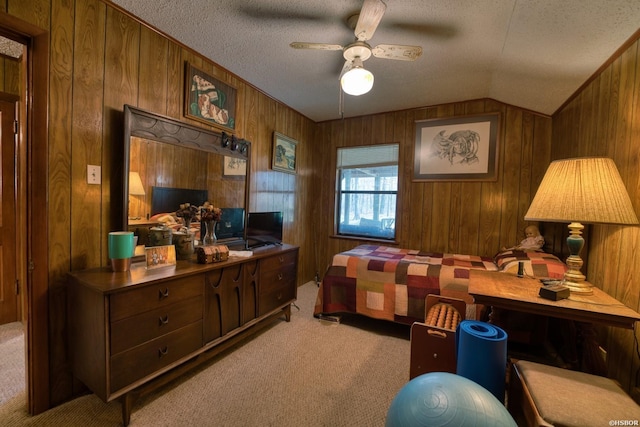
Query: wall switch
point(93, 174)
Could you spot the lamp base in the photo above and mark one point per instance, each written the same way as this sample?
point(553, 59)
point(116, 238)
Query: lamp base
point(579, 288)
point(573, 278)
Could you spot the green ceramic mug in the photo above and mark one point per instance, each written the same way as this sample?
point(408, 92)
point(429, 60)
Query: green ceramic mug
point(121, 244)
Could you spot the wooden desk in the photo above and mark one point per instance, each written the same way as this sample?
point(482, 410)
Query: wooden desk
point(510, 292)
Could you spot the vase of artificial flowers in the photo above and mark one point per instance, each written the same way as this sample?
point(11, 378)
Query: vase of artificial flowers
point(188, 213)
point(183, 239)
point(210, 217)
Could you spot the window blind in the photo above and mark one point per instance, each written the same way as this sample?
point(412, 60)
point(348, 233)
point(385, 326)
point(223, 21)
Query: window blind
point(371, 155)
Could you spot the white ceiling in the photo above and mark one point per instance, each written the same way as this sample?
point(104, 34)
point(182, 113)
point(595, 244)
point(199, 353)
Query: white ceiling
point(530, 53)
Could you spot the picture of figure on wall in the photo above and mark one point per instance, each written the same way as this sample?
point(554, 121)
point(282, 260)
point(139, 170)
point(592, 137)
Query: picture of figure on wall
point(457, 149)
point(234, 167)
point(209, 100)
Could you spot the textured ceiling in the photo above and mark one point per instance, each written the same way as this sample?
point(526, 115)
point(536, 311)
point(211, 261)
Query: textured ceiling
point(10, 48)
point(533, 54)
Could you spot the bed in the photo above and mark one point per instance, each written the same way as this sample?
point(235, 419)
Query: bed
point(392, 284)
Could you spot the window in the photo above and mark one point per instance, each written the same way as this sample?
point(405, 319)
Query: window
point(367, 190)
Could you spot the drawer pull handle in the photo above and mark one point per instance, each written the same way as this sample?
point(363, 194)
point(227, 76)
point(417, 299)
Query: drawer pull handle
point(163, 321)
point(163, 351)
point(165, 294)
point(279, 276)
point(279, 297)
point(281, 259)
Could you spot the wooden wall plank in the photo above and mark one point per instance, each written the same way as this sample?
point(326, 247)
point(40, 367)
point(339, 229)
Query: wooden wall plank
point(122, 41)
point(87, 145)
point(608, 109)
point(153, 71)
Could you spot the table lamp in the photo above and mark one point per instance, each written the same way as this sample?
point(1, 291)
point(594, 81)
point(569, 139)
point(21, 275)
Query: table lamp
point(135, 187)
point(581, 190)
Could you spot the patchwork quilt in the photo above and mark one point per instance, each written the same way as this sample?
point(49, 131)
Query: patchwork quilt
point(536, 264)
point(392, 283)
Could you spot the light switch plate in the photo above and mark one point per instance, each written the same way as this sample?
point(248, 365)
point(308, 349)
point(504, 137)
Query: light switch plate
point(93, 174)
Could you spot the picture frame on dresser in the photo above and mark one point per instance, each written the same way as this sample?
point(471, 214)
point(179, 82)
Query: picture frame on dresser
point(463, 148)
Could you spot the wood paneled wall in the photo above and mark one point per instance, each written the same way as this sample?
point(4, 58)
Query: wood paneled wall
point(455, 217)
point(603, 119)
point(100, 59)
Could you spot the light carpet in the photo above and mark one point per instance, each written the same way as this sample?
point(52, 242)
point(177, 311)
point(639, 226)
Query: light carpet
point(305, 372)
point(11, 361)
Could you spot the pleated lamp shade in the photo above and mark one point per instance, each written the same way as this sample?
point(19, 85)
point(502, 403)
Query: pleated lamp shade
point(135, 184)
point(582, 190)
point(587, 190)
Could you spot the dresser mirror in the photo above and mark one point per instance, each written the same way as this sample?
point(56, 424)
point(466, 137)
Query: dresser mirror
point(167, 162)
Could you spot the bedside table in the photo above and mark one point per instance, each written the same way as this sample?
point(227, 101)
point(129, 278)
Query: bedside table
point(510, 292)
point(503, 291)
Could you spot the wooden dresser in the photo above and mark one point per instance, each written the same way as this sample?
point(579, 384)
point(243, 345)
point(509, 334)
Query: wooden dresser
point(132, 331)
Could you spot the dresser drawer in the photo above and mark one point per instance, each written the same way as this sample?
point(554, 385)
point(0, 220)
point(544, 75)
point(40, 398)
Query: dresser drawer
point(276, 296)
point(131, 365)
point(135, 330)
point(276, 278)
point(150, 297)
point(278, 261)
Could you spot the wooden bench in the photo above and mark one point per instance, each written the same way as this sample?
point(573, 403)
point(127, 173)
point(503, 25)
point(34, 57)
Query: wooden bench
point(541, 395)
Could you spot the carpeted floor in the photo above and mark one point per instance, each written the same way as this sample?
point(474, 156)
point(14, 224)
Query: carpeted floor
point(11, 361)
point(303, 373)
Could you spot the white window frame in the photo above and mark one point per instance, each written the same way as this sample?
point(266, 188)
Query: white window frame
point(352, 158)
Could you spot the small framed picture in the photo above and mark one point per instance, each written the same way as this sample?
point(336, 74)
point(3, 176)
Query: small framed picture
point(234, 167)
point(284, 153)
point(209, 100)
point(160, 256)
point(457, 149)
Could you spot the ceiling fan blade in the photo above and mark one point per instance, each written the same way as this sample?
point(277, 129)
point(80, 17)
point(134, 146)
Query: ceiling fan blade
point(370, 16)
point(262, 12)
point(397, 51)
point(316, 46)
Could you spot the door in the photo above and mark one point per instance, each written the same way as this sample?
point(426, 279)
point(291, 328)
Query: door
point(9, 298)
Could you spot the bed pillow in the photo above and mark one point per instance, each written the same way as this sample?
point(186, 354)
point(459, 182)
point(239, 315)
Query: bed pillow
point(166, 218)
point(536, 263)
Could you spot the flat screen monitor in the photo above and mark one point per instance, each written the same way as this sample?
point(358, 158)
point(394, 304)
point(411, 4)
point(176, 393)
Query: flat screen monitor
point(166, 200)
point(264, 228)
point(231, 224)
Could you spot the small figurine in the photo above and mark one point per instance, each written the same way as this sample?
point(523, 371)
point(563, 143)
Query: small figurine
point(533, 241)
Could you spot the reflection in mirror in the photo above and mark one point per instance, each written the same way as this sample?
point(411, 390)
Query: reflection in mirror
point(170, 166)
point(166, 161)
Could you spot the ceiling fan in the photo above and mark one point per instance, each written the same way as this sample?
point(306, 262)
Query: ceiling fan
point(354, 78)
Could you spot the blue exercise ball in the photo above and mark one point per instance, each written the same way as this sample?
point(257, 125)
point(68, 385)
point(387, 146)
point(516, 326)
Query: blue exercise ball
point(444, 399)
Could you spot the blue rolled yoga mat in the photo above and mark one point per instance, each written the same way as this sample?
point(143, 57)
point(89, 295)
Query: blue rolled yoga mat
point(481, 351)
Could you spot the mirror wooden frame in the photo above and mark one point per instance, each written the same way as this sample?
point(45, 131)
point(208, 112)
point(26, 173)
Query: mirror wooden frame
point(155, 127)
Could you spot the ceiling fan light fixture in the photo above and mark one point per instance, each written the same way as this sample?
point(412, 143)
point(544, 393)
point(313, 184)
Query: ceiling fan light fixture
point(357, 81)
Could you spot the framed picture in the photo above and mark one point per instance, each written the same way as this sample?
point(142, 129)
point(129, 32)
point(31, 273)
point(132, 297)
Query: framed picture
point(209, 100)
point(284, 153)
point(160, 256)
point(457, 149)
point(234, 168)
